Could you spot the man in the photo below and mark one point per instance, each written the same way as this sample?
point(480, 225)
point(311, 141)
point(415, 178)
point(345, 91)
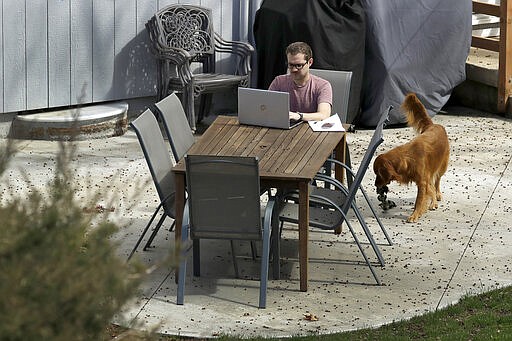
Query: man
point(310, 96)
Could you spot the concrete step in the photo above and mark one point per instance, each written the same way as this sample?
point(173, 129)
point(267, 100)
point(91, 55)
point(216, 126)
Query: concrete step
point(480, 89)
point(81, 123)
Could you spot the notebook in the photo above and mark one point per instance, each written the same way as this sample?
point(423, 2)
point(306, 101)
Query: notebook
point(265, 108)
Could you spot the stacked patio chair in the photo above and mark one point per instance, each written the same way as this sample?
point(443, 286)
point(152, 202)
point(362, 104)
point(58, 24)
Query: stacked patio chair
point(182, 37)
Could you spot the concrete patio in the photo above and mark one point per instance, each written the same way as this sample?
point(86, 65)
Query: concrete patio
point(462, 248)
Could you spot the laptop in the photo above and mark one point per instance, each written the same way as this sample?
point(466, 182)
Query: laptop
point(265, 108)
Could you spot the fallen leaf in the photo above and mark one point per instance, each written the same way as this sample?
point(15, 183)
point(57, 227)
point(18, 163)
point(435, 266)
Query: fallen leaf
point(310, 317)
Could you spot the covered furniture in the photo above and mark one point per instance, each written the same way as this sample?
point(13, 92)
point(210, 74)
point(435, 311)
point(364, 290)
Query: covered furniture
point(335, 30)
point(183, 39)
point(393, 47)
point(224, 203)
point(413, 46)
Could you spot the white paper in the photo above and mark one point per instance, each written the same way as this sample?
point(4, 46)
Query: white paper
point(332, 123)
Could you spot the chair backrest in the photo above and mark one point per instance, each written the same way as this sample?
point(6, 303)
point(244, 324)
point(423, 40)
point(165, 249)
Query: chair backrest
point(223, 197)
point(176, 125)
point(187, 27)
point(340, 83)
point(157, 157)
point(377, 139)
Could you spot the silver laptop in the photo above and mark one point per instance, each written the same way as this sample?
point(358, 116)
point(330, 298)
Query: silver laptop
point(265, 108)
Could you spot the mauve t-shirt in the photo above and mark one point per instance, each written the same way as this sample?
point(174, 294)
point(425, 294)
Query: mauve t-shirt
point(304, 98)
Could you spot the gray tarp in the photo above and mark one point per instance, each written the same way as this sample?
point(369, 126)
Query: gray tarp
point(416, 46)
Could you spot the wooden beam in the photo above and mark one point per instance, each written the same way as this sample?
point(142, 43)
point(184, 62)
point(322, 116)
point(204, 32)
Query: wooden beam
point(486, 43)
point(485, 8)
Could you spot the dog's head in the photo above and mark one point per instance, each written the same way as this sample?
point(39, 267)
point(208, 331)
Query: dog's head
point(384, 171)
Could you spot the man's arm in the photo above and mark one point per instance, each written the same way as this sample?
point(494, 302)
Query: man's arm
point(323, 112)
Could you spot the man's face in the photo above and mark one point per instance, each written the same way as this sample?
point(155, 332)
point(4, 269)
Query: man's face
point(300, 68)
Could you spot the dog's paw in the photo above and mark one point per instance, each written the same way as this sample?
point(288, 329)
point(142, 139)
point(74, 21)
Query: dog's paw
point(413, 218)
point(439, 196)
point(433, 206)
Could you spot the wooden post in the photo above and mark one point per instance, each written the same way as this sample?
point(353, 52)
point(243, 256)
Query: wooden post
point(505, 50)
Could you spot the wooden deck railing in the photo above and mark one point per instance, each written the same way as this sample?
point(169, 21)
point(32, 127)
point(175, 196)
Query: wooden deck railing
point(502, 45)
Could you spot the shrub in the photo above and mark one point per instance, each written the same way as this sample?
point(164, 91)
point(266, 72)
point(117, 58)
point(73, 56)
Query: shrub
point(60, 278)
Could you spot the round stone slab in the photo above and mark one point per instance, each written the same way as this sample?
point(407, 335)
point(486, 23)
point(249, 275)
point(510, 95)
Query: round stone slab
point(81, 123)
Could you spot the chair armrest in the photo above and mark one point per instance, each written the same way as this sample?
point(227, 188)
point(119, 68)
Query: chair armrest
point(336, 183)
point(339, 163)
point(177, 57)
point(239, 48)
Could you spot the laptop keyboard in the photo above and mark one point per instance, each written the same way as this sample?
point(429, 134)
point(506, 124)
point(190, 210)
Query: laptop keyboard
point(292, 122)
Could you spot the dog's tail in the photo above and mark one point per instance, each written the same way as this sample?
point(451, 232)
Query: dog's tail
point(417, 116)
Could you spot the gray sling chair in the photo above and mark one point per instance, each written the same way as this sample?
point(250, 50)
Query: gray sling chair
point(340, 83)
point(338, 202)
point(175, 125)
point(182, 36)
point(159, 162)
point(224, 203)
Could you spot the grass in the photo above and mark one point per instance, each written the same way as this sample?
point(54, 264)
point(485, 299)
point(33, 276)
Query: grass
point(487, 316)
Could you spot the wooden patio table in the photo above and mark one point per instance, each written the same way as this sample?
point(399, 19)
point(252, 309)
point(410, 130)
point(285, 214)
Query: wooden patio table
point(288, 159)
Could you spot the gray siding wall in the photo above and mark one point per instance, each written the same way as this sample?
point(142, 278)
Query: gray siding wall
point(64, 52)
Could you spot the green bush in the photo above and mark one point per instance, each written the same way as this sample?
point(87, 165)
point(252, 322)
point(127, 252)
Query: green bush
point(60, 278)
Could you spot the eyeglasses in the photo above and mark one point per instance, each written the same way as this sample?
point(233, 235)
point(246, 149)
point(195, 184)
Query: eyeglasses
point(297, 66)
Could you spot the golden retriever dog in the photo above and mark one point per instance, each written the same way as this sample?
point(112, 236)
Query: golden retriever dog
point(423, 160)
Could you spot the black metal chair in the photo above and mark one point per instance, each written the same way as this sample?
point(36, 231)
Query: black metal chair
point(183, 35)
point(224, 203)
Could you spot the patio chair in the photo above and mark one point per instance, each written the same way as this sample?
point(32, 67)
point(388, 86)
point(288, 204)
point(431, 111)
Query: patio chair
point(340, 83)
point(159, 162)
point(224, 203)
point(175, 125)
point(182, 36)
point(332, 206)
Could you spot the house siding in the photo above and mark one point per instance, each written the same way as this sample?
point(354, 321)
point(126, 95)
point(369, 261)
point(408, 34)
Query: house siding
point(57, 53)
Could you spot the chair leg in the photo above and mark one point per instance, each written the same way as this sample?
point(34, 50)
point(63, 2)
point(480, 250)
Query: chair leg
point(172, 226)
point(181, 279)
point(189, 96)
point(204, 105)
point(233, 255)
point(369, 235)
point(144, 232)
point(182, 271)
point(196, 257)
point(362, 252)
point(276, 242)
point(267, 231)
point(155, 231)
point(382, 228)
point(254, 251)
point(349, 164)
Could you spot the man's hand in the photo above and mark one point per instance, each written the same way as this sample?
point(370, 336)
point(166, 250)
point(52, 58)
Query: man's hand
point(295, 116)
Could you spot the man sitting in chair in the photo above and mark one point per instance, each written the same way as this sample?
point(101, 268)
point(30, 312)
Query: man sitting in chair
point(310, 96)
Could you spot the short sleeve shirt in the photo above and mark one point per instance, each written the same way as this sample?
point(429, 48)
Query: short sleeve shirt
point(304, 98)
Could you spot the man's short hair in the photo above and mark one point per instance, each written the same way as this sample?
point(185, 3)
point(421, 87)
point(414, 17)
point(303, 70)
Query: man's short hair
point(300, 47)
